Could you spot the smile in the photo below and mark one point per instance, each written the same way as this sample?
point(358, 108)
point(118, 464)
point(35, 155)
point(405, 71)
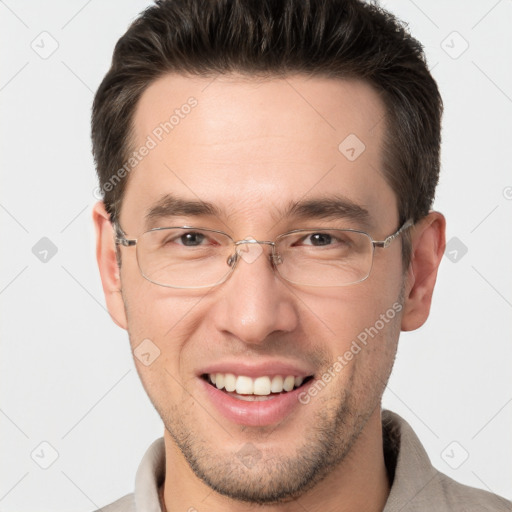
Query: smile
point(258, 401)
point(247, 388)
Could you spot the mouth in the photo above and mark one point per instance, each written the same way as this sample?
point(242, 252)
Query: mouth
point(262, 388)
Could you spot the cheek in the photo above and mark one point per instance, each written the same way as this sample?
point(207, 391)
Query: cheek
point(364, 350)
point(160, 323)
point(361, 324)
point(160, 327)
point(153, 311)
point(343, 313)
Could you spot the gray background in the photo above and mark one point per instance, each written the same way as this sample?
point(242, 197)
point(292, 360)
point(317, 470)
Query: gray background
point(67, 376)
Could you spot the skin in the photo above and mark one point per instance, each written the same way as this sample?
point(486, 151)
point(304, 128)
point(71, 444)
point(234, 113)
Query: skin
point(249, 147)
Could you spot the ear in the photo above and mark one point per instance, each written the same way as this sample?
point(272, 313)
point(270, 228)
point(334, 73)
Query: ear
point(107, 264)
point(428, 245)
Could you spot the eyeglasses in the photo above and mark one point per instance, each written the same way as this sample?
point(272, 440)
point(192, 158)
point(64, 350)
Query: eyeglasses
point(189, 257)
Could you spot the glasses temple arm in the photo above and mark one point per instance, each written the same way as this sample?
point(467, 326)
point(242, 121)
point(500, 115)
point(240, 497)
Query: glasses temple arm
point(385, 243)
point(120, 236)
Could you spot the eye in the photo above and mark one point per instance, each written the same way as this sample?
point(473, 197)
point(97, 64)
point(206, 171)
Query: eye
point(182, 239)
point(318, 239)
point(190, 239)
point(339, 240)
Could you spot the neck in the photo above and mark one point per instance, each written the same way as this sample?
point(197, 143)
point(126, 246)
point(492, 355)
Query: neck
point(360, 482)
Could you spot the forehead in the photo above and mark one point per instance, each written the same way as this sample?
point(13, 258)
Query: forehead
point(249, 145)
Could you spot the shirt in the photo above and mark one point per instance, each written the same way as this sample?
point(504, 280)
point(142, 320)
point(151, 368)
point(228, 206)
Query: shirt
point(416, 485)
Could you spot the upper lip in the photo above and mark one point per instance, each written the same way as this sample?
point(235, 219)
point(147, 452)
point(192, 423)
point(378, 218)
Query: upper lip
point(269, 368)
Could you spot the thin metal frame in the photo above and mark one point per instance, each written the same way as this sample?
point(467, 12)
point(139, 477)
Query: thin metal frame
point(275, 258)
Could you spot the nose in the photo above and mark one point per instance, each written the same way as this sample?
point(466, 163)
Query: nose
point(254, 302)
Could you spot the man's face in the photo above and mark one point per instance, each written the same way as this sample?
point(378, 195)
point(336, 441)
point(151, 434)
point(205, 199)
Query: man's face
point(251, 149)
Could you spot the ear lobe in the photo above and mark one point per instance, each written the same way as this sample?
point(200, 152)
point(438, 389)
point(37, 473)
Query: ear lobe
point(428, 245)
point(108, 265)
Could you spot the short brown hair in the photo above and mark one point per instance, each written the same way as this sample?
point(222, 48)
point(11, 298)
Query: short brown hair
point(330, 38)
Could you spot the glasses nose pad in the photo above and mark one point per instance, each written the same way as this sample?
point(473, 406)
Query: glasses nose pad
point(276, 259)
point(231, 261)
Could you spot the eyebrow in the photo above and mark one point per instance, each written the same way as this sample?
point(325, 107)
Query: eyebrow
point(330, 208)
point(172, 206)
point(325, 208)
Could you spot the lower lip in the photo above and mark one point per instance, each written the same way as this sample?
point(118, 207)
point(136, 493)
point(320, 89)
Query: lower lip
point(255, 413)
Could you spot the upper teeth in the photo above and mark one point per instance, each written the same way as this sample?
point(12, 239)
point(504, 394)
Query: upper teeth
point(244, 385)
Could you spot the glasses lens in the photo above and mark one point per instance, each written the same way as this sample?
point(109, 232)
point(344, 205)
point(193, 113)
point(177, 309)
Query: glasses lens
point(199, 258)
point(332, 257)
point(184, 258)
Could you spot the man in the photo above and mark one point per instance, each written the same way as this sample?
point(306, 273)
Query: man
point(268, 171)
